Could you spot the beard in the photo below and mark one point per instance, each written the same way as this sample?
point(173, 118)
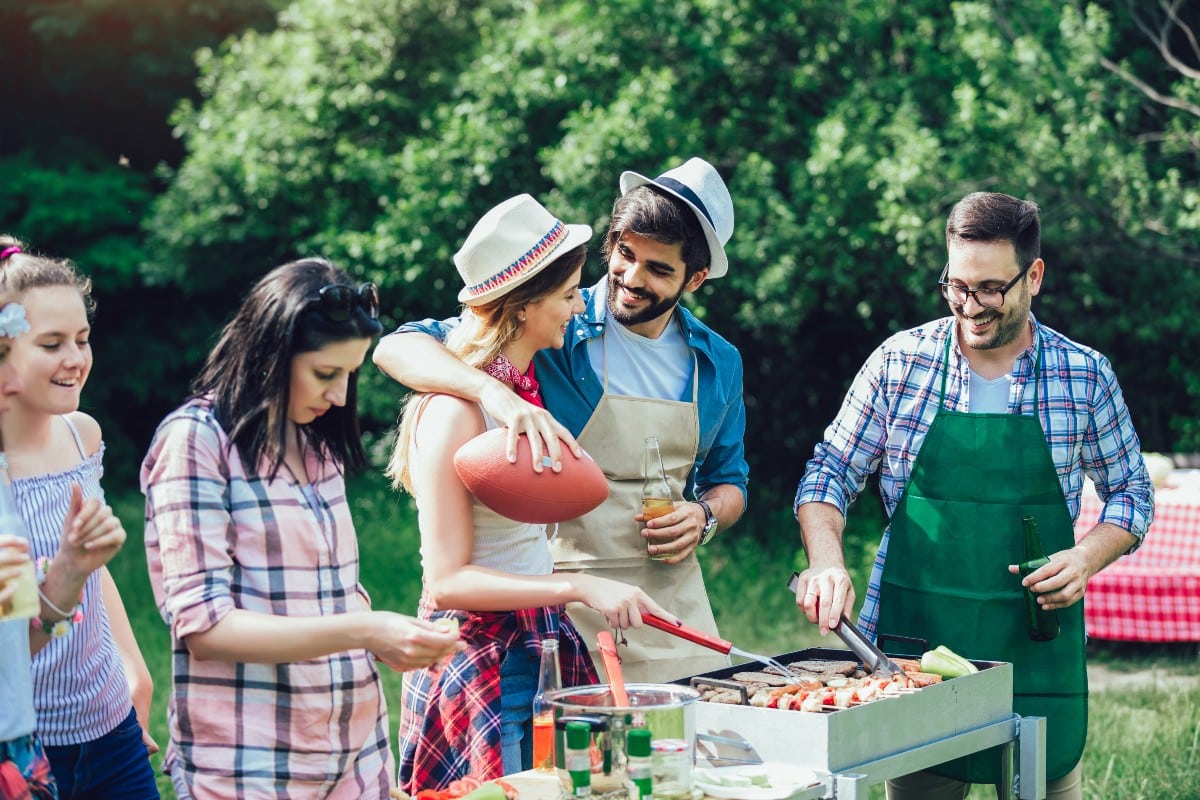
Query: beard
point(1010, 324)
point(657, 307)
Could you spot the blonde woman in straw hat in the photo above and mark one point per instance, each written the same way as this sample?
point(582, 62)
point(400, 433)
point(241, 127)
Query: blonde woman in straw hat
point(521, 268)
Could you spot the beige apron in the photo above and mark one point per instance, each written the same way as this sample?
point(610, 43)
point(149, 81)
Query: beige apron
point(608, 542)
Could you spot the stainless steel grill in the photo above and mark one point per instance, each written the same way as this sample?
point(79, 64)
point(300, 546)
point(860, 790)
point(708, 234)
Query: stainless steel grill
point(854, 747)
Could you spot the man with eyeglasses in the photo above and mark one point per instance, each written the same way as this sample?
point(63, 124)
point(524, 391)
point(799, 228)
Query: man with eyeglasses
point(973, 422)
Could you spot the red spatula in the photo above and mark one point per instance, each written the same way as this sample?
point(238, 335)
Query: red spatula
point(612, 665)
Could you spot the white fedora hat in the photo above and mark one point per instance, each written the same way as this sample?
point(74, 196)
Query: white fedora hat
point(697, 183)
point(509, 245)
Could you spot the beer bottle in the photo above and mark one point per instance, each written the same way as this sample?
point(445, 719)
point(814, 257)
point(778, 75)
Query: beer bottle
point(1043, 624)
point(543, 713)
point(656, 492)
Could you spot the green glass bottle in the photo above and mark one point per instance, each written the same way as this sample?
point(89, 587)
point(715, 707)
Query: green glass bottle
point(1043, 624)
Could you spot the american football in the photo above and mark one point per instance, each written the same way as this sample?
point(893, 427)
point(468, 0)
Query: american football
point(517, 492)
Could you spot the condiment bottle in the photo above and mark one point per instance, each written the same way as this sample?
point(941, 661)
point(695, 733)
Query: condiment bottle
point(637, 748)
point(579, 758)
point(656, 491)
point(549, 679)
point(1043, 624)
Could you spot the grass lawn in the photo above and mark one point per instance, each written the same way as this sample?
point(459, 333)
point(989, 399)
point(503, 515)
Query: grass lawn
point(1143, 734)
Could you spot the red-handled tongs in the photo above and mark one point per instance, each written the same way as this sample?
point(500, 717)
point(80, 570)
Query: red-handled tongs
point(707, 640)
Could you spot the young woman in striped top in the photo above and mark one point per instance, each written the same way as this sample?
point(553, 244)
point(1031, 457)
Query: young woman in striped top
point(91, 686)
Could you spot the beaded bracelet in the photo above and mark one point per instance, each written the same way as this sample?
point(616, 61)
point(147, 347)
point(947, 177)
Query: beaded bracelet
point(59, 629)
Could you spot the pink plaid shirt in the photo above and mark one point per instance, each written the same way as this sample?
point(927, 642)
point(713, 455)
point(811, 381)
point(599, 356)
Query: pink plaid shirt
point(217, 539)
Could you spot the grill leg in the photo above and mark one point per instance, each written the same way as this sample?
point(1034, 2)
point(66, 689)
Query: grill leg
point(1005, 790)
point(851, 786)
point(1031, 758)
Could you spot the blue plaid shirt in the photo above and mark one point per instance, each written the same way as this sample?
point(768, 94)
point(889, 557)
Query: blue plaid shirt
point(894, 399)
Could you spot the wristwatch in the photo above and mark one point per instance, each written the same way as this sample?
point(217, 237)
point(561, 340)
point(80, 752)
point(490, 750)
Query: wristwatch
point(710, 523)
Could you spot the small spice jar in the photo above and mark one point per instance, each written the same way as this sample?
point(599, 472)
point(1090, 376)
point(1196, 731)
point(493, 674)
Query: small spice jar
point(671, 769)
point(638, 764)
point(578, 758)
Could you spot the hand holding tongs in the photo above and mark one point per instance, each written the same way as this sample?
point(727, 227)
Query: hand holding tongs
point(874, 659)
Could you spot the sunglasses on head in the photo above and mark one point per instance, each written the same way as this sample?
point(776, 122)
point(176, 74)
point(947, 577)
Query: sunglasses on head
point(336, 301)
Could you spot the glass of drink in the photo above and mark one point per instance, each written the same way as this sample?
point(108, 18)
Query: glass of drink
point(24, 602)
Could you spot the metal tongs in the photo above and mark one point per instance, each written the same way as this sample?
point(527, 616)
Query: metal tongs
point(874, 659)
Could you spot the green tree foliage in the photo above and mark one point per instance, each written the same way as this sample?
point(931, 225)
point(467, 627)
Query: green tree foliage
point(376, 132)
point(88, 87)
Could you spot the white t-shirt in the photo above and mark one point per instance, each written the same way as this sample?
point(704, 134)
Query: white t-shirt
point(989, 397)
point(640, 367)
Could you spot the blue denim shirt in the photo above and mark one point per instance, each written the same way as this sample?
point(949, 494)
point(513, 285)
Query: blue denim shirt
point(572, 389)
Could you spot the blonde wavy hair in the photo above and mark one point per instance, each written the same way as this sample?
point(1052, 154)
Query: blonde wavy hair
point(480, 336)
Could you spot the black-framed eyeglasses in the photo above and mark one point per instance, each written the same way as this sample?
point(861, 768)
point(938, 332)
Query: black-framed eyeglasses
point(336, 301)
point(987, 297)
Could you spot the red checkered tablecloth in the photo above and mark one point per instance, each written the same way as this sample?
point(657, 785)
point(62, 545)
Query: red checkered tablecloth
point(1153, 594)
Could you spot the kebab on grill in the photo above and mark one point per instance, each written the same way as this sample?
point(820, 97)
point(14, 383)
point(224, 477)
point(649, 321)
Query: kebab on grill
point(817, 685)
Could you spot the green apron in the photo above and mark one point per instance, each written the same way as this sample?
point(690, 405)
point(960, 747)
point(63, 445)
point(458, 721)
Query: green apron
point(955, 530)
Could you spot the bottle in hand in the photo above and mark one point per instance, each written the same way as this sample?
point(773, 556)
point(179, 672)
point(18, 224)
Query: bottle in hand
point(656, 491)
point(1043, 624)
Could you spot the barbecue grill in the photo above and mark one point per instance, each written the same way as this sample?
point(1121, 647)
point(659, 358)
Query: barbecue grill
point(851, 748)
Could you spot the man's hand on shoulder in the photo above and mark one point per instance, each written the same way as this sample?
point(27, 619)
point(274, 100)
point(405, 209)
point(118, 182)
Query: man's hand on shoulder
point(520, 416)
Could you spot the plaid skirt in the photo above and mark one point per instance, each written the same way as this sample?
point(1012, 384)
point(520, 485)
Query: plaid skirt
point(450, 721)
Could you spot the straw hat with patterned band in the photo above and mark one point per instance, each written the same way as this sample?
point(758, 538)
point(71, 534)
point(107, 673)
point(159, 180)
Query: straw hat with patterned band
point(509, 245)
point(697, 183)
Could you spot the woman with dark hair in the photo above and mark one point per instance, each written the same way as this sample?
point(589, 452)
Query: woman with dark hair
point(254, 560)
point(521, 268)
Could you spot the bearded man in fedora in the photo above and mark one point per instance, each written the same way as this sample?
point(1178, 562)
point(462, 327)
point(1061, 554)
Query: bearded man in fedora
point(635, 364)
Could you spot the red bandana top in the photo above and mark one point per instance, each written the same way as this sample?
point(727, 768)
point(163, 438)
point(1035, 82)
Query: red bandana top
point(526, 385)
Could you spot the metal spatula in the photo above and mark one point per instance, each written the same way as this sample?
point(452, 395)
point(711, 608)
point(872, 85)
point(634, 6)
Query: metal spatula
point(707, 640)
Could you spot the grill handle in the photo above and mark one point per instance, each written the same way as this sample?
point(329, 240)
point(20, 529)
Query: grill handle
point(718, 683)
point(691, 634)
point(917, 645)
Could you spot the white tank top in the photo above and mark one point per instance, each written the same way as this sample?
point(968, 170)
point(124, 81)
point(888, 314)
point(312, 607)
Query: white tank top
point(502, 544)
